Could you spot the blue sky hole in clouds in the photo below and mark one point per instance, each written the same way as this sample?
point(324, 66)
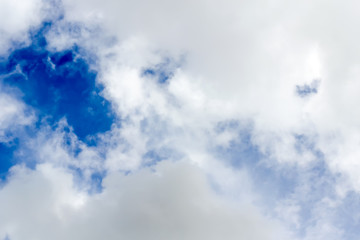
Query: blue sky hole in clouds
point(59, 84)
point(306, 186)
point(154, 156)
point(275, 181)
point(314, 184)
point(6, 157)
point(347, 218)
point(93, 182)
point(56, 85)
point(163, 71)
point(307, 90)
point(242, 153)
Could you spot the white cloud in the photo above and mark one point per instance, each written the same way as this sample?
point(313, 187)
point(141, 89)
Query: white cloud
point(13, 114)
point(16, 19)
point(173, 202)
point(243, 61)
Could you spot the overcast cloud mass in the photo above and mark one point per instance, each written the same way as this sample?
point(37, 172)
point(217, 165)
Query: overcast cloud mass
point(184, 120)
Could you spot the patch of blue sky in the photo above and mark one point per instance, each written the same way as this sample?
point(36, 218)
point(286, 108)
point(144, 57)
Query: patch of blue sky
point(96, 182)
point(156, 155)
point(305, 186)
point(155, 127)
point(315, 183)
point(242, 153)
point(153, 156)
point(306, 143)
point(306, 90)
point(162, 71)
point(57, 85)
point(347, 216)
point(6, 157)
point(69, 139)
point(158, 147)
point(93, 183)
point(54, 85)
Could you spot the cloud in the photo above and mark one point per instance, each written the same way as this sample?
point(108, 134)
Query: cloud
point(173, 201)
point(251, 93)
point(244, 60)
point(13, 114)
point(17, 19)
point(14, 117)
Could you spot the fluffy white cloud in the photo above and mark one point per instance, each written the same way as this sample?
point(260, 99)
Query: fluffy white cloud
point(13, 115)
point(244, 61)
point(17, 18)
point(173, 201)
point(234, 61)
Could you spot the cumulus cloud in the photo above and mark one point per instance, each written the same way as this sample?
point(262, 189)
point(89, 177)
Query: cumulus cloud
point(17, 19)
point(246, 60)
point(259, 97)
point(173, 201)
point(13, 114)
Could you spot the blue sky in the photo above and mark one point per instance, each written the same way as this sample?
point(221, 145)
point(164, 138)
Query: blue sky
point(179, 120)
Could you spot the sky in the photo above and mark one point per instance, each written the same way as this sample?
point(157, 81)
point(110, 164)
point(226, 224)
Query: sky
point(181, 120)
